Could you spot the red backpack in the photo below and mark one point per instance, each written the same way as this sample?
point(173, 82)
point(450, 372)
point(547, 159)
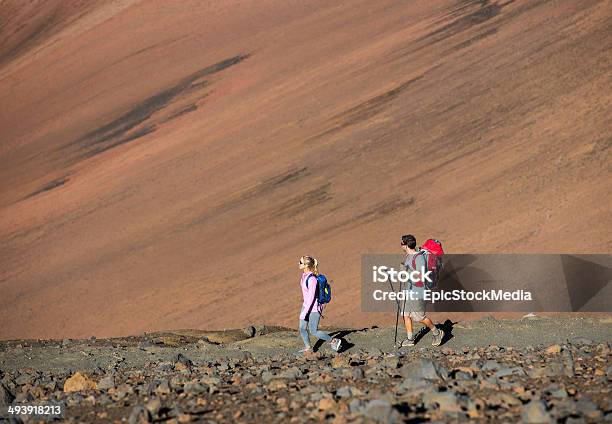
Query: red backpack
point(432, 252)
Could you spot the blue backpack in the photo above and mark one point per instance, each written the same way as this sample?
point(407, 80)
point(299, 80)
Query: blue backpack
point(323, 289)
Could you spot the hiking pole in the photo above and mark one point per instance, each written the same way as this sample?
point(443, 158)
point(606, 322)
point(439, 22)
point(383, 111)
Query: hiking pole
point(398, 311)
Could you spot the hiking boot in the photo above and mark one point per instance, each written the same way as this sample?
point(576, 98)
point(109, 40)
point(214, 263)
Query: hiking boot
point(336, 344)
point(437, 340)
point(407, 343)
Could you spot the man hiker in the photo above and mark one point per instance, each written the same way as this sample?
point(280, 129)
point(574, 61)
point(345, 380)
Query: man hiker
point(414, 306)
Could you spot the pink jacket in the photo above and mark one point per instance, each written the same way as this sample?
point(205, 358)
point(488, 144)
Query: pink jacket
point(309, 295)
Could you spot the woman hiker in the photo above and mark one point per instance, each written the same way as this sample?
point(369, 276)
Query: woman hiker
point(311, 310)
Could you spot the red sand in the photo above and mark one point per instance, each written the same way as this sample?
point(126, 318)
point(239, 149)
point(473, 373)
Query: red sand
point(139, 195)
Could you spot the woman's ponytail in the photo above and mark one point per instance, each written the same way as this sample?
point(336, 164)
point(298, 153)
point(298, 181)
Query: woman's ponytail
point(311, 264)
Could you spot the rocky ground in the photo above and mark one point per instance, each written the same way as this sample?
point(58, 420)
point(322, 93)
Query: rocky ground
point(530, 370)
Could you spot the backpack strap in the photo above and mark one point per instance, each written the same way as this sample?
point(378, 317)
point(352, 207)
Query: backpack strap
point(307, 277)
point(315, 296)
point(414, 257)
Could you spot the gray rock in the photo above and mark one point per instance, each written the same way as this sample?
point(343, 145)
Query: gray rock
point(502, 399)
point(178, 381)
point(504, 372)
point(558, 394)
point(374, 352)
point(416, 386)
point(355, 405)
point(581, 341)
point(24, 397)
point(104, 400)
point(266, 377)
point(24, 379)
point(153, 406)
point(139, 415)
point(159, 387)
point(123, 390)
point(291, 373)
point(551, 369)
point(572, 420)
point(210, 381)
point(535, 412)
point(6, 396)
point(446, 401)
point(344, 392)
point(106, 383)
point(165, 366)
point(424, 368)
point(568, 363)
point(381, 411)
point(491, 365)
point(392, 362)
point(250, 331)
point(587, 408)
point(357, 373)
point(194, 388)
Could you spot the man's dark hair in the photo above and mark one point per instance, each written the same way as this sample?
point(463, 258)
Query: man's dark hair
point(409, 240)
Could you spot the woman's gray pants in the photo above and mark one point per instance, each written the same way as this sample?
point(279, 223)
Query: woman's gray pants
point(312, 325)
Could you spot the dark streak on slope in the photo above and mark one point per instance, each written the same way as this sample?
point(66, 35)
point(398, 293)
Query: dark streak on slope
point(369, 108)
point(378, 211)
point(141, 132)
point(286, 177)
point(117, 131)
point(263, 188)
point(30, 40)
point(485, 12)
point(49, 186)
point(375, 105)
point(474, 39)
point(183, 111)
point(302, 201)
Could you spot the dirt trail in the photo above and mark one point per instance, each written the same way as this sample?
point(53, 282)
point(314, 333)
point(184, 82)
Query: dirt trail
point(532, 370)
